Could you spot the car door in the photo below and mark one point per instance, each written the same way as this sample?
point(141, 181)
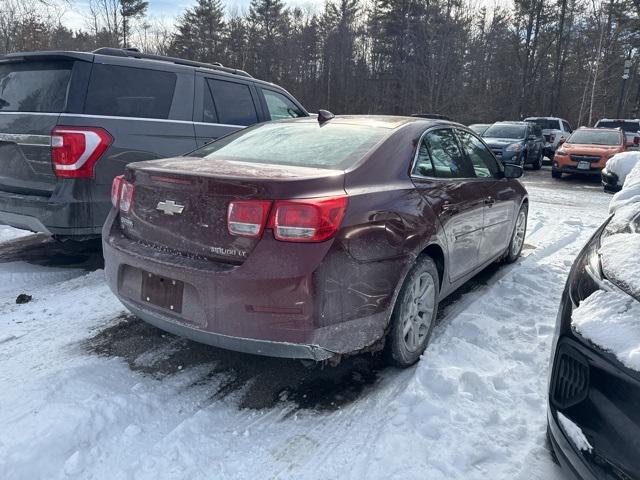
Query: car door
point(223, 106)
point(445, 177)
point(501, 198)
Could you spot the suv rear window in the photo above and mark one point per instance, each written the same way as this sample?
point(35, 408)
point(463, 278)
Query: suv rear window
point(130, 92)
point(34, 86)
point(303, 144)
point(629, 126)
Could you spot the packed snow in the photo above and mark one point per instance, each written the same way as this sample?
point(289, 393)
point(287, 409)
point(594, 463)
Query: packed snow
point(620, 258)
point(575, 434)
point(88, 392)
point(8, 233)
point(630, 192)
point(622, 163)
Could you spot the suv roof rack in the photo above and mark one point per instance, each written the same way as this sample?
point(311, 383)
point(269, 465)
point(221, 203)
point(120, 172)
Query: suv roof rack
point(135, 53)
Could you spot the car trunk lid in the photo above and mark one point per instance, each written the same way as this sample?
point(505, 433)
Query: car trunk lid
point(181, 204)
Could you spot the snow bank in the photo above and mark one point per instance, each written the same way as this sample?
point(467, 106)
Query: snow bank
point(575, 434)
point(630, 192)
point(609, 319)
point(9, 233)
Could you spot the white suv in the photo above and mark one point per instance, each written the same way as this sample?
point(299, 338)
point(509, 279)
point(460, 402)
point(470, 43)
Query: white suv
point(631, 129)
point(554, 129)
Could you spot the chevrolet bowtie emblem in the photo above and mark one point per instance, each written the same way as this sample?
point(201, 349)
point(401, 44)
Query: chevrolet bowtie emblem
point(169, 207)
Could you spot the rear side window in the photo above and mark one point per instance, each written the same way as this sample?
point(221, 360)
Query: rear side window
point(233, 102)
point(280, 107)
point(130, 92)
point(34, 86)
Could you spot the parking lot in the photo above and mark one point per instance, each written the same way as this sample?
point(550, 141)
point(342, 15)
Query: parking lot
point(92, 392)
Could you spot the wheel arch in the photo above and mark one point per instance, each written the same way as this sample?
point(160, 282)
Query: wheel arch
point(436, 253)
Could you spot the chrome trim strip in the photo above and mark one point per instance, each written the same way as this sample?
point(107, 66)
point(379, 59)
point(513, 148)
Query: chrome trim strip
point(144, 119)
point(26, 139)
point(47, 114)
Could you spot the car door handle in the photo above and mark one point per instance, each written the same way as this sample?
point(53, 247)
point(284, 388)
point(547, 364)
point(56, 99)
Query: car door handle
point(489, 201)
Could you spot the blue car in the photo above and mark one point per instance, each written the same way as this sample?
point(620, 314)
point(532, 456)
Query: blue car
point(519, 143)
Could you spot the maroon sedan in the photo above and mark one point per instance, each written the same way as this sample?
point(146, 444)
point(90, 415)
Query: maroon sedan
point(313, 239)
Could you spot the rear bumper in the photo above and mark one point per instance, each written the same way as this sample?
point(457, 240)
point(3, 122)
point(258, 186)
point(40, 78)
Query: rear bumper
point(71, 217)
point(284, 310)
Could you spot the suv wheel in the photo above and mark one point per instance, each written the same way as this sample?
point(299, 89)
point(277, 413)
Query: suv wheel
point(517, 237)
point(537, 165)
point(414, 314)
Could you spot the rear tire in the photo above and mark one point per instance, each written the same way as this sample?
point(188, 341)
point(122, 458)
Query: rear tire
point(414, 314)
point(517, 237)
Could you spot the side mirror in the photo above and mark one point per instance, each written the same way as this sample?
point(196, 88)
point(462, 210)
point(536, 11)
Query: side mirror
point(561, 141)
point(512, 171)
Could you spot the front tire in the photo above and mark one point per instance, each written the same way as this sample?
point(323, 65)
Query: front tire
point(414, 314)
point(517, 237)
point(537, 165)
point(556, 173)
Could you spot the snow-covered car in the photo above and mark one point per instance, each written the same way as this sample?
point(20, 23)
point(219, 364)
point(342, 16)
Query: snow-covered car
point(594, 388)
point(554, 130)
point(617, 168)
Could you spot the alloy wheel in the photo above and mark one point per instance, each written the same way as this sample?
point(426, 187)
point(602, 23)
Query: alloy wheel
point(418, 307)
point(518, 234)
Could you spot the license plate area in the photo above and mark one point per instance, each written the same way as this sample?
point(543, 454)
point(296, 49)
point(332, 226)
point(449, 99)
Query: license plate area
point(162, 292)
point(582, 165)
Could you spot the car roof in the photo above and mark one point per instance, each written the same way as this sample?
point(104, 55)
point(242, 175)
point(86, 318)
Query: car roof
point(544, 118)
point(383, 121)
point(135, 58)
point(599, 129)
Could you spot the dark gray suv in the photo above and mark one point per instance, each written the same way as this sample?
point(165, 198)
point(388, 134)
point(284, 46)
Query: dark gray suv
point(71, 121)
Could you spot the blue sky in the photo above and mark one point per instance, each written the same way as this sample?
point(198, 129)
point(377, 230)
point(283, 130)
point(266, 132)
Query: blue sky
point(74, 16)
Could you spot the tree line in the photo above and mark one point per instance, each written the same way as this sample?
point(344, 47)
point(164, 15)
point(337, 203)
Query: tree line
point(471, 62)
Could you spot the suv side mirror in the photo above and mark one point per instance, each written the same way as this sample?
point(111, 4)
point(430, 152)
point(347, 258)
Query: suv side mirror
point(512, 171)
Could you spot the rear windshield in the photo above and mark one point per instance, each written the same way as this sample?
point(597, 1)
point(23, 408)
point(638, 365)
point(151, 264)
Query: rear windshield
point(594, 137)
point(504, 131)
point(34, 86)
point(627, 126)
point(546, 123)
point(130, 92)
point(303, 144)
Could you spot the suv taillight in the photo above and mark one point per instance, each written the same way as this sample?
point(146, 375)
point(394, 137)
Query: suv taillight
point(75, 150)
point(304, 220)
point(122, 193)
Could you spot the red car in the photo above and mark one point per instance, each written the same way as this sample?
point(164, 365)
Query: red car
point(313, 238)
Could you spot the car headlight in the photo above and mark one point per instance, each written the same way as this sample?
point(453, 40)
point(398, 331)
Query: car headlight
point(586, 275)
point(514, 147)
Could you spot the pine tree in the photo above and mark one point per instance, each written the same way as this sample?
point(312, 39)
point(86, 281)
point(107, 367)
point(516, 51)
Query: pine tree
point(200, 32)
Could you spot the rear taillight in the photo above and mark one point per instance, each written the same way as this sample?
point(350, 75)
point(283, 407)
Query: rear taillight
point(116, 188)
point(75, 150)
point(247, 218)
point(122, 194)
point(308, 220)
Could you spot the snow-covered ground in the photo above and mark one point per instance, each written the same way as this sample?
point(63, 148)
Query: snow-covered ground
point(88, 392)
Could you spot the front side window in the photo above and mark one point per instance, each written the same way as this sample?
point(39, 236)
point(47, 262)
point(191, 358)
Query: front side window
point(483, 161)
point(233, 102)
point(280, 107)
point(446, 157)
point(130, 92)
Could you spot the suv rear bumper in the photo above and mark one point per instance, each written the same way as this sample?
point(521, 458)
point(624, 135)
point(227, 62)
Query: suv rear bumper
point(41, 214)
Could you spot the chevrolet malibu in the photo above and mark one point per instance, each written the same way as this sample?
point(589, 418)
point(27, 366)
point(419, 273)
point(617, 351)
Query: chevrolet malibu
point(313, 238)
